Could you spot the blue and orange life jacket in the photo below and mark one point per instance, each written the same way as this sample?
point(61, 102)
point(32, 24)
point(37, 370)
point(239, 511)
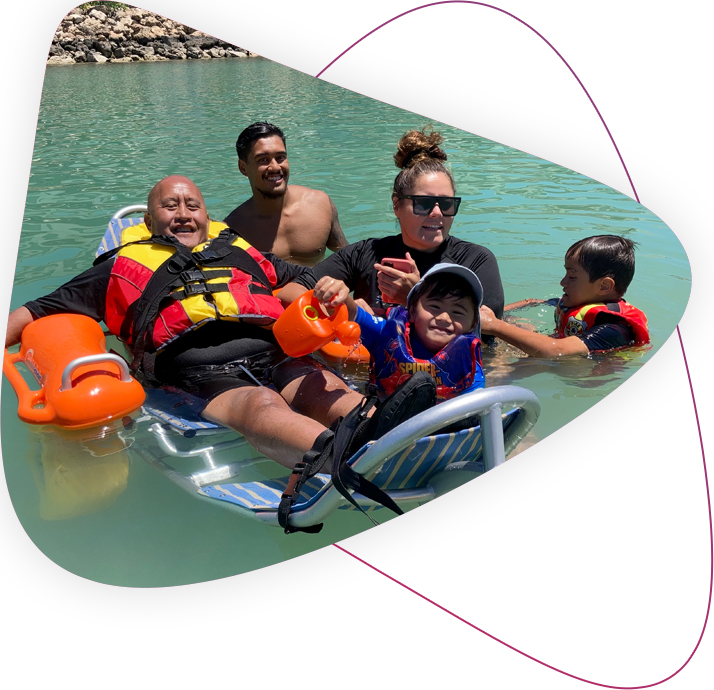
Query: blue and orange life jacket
point(455, 368)
point(576, 320)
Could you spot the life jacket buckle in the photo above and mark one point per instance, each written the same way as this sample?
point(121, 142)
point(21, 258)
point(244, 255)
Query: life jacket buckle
point(196, 289)
point(177, 263)
point(192, 276)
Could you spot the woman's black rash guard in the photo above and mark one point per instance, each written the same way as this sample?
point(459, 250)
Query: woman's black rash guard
point(355, 266)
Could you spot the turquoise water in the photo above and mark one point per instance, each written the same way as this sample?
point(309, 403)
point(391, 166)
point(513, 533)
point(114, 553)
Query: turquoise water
point(107, 133)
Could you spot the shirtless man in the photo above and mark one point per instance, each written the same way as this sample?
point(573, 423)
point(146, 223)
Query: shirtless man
point(294, 223)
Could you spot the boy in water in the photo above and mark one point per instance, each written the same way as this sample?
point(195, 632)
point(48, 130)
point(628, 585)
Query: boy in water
point(591, 316)
point(438, 332)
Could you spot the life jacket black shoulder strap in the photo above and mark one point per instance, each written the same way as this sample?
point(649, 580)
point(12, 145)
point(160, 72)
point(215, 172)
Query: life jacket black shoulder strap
point(182, 274)
point(222, 253)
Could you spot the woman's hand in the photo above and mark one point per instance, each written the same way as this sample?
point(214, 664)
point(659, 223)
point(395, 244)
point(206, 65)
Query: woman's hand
point(395, 285)
point(331, 292)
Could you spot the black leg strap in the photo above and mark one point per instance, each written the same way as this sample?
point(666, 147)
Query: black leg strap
point(312, 463)
point(343, 476)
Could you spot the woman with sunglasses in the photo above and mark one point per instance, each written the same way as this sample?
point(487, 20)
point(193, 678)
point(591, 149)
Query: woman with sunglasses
point(425, 203)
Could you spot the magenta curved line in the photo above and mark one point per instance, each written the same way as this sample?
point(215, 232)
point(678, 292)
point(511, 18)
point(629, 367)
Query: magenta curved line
point(684, 355)
point(513, 16)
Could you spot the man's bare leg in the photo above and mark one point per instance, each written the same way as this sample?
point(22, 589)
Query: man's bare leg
point(267, 422)
point(317, 393)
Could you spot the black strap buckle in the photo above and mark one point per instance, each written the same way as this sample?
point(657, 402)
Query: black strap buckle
point(192, 276)
point(178, 262)
point(196, 289)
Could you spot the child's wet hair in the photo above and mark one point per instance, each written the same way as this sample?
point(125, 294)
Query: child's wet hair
point(606, 256)
point(443, 285)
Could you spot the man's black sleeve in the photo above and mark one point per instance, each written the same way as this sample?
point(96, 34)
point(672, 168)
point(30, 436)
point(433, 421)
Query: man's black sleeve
point(85, 294)
point(290, 273)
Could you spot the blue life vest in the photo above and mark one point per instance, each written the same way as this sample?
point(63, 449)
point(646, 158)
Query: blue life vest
point(455, 368)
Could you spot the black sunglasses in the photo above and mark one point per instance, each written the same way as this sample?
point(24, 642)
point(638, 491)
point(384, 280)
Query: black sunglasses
point(423, 205)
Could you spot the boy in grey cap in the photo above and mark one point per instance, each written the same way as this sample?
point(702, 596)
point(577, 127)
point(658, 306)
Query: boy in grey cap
point(438, 331)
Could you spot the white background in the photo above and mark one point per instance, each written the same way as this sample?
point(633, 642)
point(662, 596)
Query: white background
point(589, 552)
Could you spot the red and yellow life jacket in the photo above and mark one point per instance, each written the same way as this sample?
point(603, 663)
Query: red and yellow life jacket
point(576, 320)
point(159, 289)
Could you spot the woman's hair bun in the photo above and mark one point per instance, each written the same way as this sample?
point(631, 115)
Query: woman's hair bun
point(417, 146)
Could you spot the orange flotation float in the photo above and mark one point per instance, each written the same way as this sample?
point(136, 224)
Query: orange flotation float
point(304, 327)
point(82, 385)
point(336, 350)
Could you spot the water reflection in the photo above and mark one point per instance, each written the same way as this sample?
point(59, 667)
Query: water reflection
point(77, 473)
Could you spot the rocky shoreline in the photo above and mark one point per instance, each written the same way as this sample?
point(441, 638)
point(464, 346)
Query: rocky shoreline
point(102, 33)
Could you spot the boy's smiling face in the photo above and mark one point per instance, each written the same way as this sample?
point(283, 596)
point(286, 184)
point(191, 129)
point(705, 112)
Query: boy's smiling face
point(579, 290)
point(437, 321)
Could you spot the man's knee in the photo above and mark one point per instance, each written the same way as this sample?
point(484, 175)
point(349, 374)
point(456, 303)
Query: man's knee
point(240, 407)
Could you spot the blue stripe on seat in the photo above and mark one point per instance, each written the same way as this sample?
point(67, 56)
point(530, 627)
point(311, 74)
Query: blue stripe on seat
point(112, 235)
point(265, 495)
point(408, 469)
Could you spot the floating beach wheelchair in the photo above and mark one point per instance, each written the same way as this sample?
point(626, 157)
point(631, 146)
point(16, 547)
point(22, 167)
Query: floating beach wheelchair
point(419, 460)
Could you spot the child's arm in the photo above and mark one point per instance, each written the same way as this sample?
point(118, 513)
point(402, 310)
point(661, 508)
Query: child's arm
point(533, 344)
point(332, 293)
point(522, 303)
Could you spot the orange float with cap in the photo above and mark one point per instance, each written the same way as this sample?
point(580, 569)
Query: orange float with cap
point(305, 327)
point(81, 384)
point(336, 350)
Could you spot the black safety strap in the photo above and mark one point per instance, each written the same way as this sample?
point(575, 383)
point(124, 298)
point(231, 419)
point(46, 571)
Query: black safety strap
point(113, 252)
point(343, 476)
point(312, 463)
point(181, 276)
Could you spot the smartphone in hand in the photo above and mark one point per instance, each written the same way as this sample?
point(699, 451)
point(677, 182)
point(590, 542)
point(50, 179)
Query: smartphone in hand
point(401, 265)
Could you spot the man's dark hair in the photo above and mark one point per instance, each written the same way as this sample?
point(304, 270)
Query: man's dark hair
point(606, 256)
point(251, 134)
point(442, 285)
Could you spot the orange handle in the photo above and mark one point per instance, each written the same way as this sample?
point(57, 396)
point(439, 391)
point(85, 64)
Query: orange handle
point(27, 400)
point(303, 327)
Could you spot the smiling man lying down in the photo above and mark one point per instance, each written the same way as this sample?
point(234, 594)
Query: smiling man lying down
point(211, 339)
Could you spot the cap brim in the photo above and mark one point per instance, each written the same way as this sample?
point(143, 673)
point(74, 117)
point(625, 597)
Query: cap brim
point(454, 269)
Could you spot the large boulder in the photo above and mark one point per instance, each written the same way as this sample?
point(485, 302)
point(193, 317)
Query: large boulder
point(61, 60)
point(143, 51)
point(90, 26)
point(103, 47)
point(173, 54)
point(94, 56)
point(201, 41)
point(96, 14)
